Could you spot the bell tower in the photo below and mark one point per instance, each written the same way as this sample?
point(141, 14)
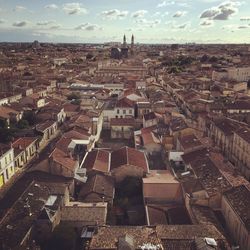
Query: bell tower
point(124, 41)
point(132, 44)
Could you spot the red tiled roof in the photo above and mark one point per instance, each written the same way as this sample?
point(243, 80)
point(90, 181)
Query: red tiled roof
point(43, 126)
point(63, 159)
point(5, 112)
point(23, 142)
point(97, 160)
point(125, 103)
point(128, 156)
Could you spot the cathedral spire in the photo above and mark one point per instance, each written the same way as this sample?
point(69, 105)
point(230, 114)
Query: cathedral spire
point(124, 41)
point(132, 40)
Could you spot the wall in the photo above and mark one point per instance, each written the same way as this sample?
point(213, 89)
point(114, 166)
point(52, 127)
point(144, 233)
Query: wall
point(236, 227)
point(7, 169)
point(127, 170)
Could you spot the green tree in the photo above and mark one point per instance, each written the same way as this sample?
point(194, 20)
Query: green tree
point(76, 102)
point(30, 117)
point(3, 123)
point(130, 186)
point(248, 84)
point(73, 96)
point(22, 124)
point(204, 58)
point(63, 238)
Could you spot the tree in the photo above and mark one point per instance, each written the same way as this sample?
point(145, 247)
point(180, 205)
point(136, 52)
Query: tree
point(174, 70)
point(130, 186)
point(7, 134)
point(76, 102)
point(73, 96)
point(3, 123)
point(204, 58)
point(213, 59)
point(22, 124)
point(89, 56)
point(248, 84)
point(63, 238)
point(30, 117)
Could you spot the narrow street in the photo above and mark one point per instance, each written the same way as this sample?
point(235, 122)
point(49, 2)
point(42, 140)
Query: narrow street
point(21, 180)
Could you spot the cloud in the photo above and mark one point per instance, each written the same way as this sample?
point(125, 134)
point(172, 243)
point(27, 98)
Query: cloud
point(165, 3)
point(148, 23)
point(162, 4)
point(74, 8)
point(2, 21)
point(20, 23)
point(210, 13)
point(51, 6)
point(20, 8)
point(166, 13)
point(179, 13)
point(222, 12)
point(243, 27)
point(245, 18)
point(55, 27)
point(114, 14)
point(44, 23)
point(157, 13)
point(182, 26)
point(139, 13)
point(207, 23)
point(88, 27)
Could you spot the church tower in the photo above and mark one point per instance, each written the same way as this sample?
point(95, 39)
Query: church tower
point(124, 41)
point(124, 48)
point(132, 44)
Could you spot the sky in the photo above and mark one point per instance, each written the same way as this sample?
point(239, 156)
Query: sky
point(151, 21)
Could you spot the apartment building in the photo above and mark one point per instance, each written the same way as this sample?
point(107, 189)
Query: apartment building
point(7, 169)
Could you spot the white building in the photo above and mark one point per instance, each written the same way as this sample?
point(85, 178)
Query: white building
point(7, 169)
point(238, 74)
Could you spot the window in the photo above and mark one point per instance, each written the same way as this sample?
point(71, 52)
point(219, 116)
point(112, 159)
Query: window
point(124, 111)
point(130, 111)
point(118, 111)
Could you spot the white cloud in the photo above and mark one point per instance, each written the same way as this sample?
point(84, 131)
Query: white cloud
point(20, 23)
point(157, 13)
point(162, 4)
point(148, 23)
point(245, 18)
point(139, 13)
point(210, 13)
point(165, 3)
point(179, 13)
point(182, 26)
point(2, 21)
point(243, 27)
point(166, 13)
point(44, 23)
point(207, 23)
point(51, 6)
point(114, 14)
point(222, 12)
point(55, 27)
point(74, 8)
point(88, 27)
point(19, 8)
